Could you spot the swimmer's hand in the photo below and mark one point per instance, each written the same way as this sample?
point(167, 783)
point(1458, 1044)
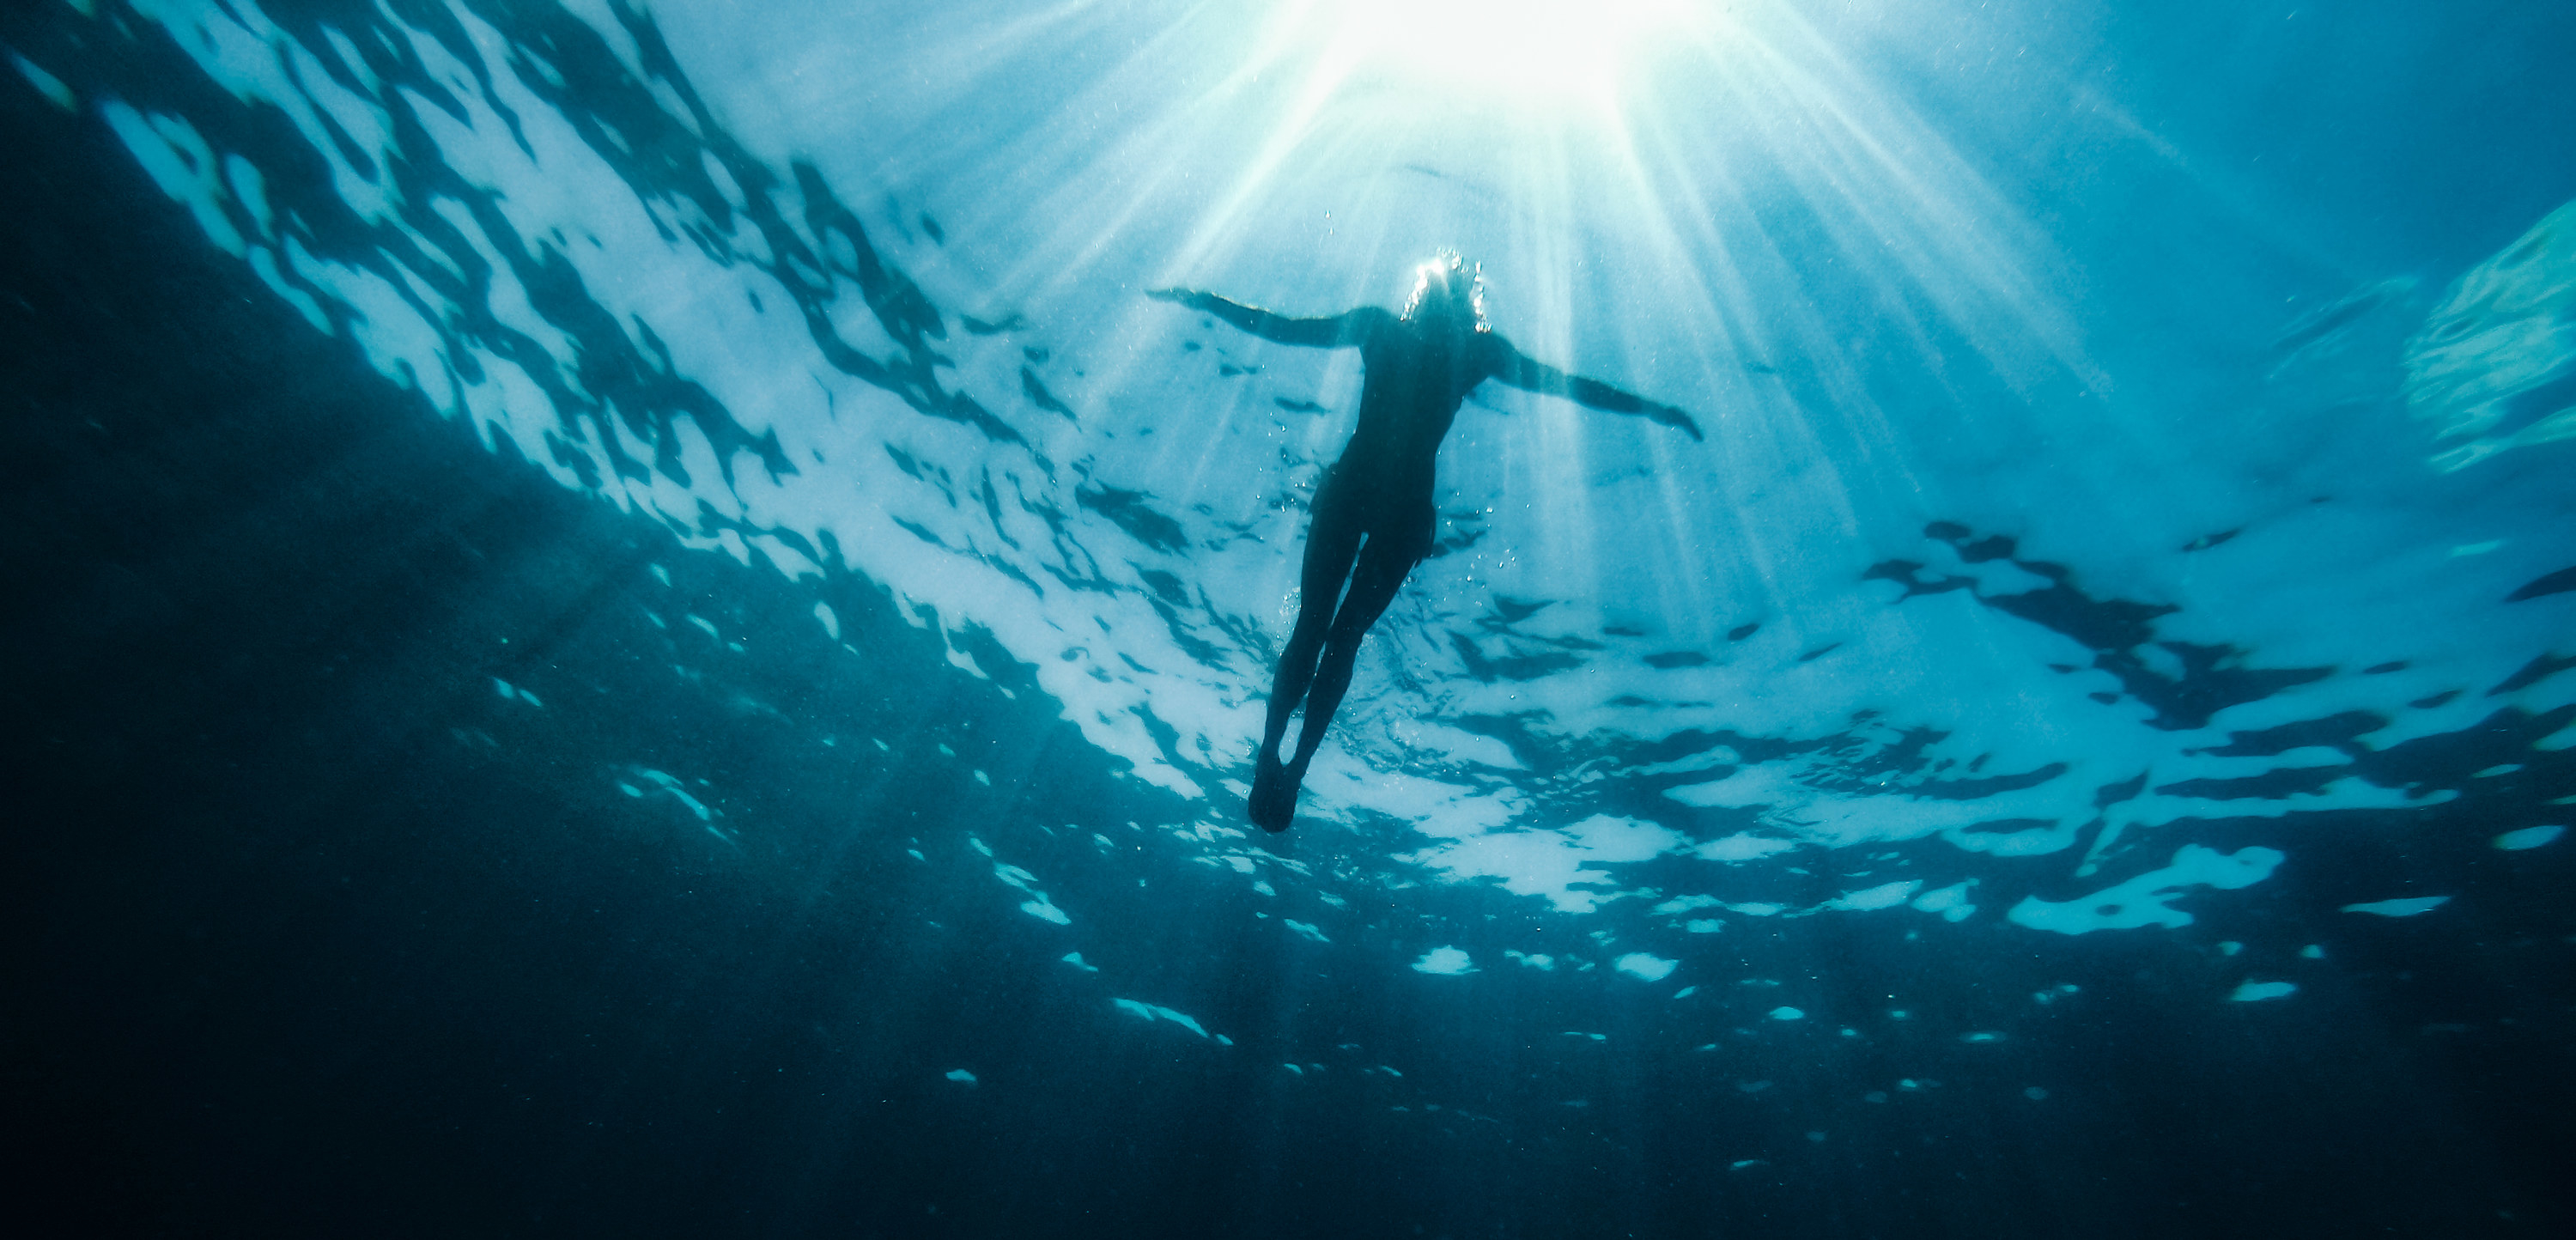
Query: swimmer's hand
point(1169, 294)
point(1676, 419)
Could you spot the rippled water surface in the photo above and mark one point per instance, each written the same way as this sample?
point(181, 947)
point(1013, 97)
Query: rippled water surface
point(628, 618)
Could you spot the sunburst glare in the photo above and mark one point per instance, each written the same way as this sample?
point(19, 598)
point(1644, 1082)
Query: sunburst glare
point(1530, 53)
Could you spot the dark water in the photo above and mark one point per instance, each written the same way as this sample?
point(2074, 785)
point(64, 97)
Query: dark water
point(692, 705)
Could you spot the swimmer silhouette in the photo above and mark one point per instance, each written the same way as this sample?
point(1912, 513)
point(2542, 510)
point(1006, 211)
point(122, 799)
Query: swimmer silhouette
point(1372, 519)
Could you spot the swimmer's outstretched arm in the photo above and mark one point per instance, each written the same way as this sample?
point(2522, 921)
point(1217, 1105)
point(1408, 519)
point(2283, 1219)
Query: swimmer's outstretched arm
point(1335, 332)
point(1529, 375)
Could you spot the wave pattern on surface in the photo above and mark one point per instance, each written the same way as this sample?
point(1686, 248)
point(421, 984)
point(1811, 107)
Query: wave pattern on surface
point(530, 218)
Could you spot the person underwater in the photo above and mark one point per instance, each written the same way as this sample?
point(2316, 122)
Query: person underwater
point(1372, 520)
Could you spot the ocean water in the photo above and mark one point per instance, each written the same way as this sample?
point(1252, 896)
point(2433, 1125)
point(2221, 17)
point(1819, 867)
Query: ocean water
point(625, 619)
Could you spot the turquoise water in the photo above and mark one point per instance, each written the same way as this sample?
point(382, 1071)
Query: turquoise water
point(638, 622)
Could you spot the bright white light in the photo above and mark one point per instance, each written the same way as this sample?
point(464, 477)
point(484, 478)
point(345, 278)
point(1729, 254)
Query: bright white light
point(1530, 51)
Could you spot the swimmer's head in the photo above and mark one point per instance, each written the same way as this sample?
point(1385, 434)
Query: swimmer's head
point(1447, 292)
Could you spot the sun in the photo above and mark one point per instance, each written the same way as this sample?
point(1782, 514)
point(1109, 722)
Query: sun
point(1537, 53)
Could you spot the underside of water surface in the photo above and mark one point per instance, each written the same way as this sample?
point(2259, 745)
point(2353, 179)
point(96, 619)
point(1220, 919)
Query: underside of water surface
point(629, 619)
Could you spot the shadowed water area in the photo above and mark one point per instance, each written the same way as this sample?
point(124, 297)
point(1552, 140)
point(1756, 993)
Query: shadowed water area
point(630, 620)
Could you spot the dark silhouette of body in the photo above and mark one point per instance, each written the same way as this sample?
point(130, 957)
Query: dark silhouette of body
point(1372, 516)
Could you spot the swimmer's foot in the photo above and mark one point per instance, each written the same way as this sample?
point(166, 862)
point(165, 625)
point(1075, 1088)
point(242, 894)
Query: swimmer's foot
point(1274, 795)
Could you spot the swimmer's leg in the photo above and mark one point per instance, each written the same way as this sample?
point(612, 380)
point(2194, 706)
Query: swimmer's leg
point(1332, 542)
point(1382, 568)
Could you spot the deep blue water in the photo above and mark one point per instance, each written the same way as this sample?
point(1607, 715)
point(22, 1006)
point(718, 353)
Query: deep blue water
point(629, 622)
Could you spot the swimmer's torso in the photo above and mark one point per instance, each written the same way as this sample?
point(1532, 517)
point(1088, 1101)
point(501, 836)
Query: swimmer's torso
point(1414, 382)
